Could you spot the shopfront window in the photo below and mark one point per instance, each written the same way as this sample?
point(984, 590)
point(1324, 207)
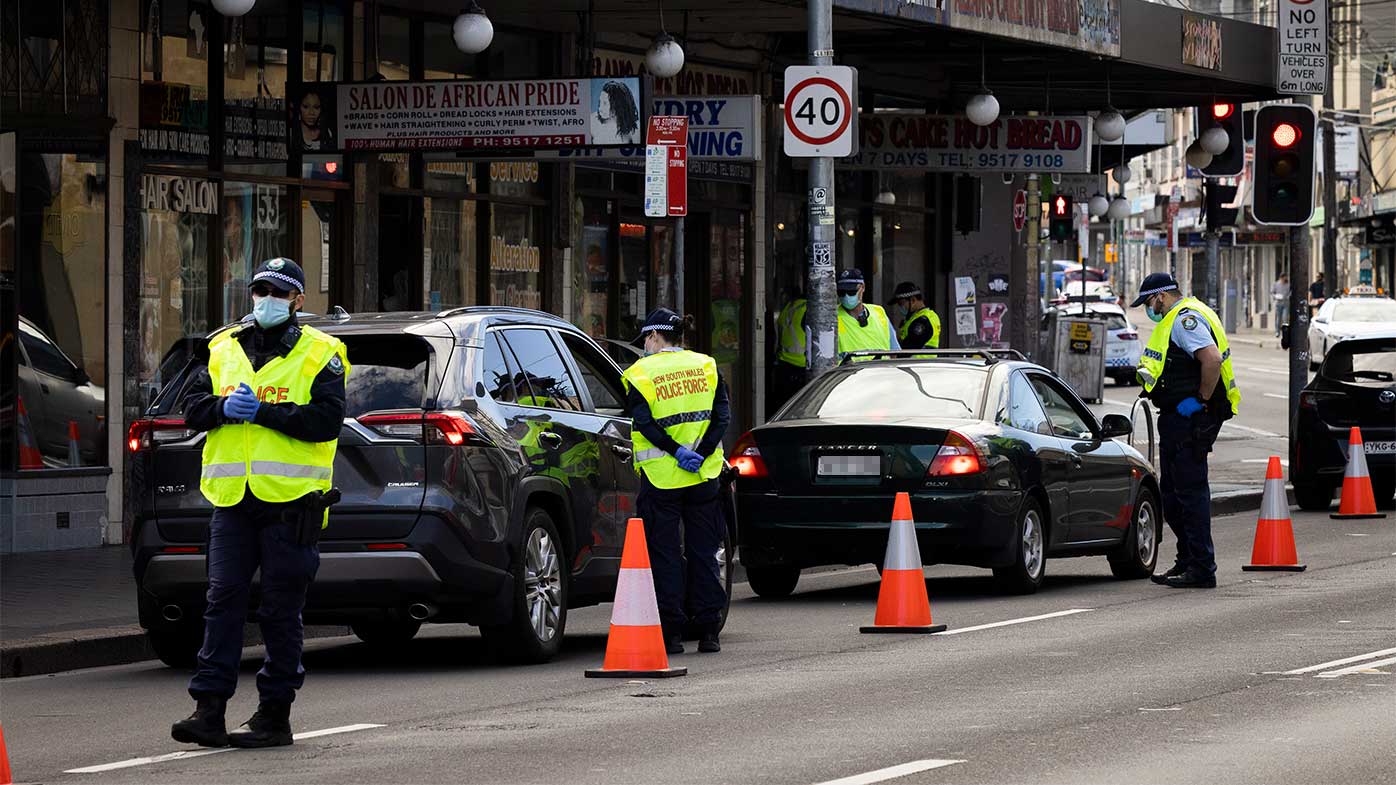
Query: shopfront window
point(450, 253)
point(254, 85)
point(591, 284)
point(394, 47)
point(726, 277)
point(634, 273)
point(516, 256)
point(255, 228)
point(451, 175)
point(440, 57)
point(177, 217)
point(318, 243)
point(174, 81)
point(62, 370)
point(325, 50)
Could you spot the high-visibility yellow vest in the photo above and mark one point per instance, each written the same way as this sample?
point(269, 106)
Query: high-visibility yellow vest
point(1156, 352)
point(855, 337)
point(680, 387)
point(242, 456)
point(932, 317)
point(790, 329)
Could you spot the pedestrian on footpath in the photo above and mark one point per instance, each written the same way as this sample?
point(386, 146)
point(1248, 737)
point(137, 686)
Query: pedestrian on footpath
point(1279, 292)
point(861, 326)
point(1186, 372)
point(1316, 293)
point(920, 326)
point(679, 406)
point(272, 403)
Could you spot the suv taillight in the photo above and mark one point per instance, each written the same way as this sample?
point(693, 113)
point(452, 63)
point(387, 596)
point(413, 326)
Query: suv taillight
point(746, 458)
point(449, 428)
point(956, 457)
point(144, 434)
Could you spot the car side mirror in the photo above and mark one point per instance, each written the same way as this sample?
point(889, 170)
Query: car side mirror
point(1284, 335)
point(1113, 425)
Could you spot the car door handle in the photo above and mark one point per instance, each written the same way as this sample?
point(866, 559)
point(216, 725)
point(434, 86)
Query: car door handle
point(623, 453)
point(550, 440)
point(1076, 460)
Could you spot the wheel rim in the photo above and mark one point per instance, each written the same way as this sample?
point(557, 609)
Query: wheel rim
point(543, 585)
point(1032, 544)
point(1146, 537)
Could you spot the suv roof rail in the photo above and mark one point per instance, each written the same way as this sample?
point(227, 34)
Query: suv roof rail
point(493, 309)
point(990, 356)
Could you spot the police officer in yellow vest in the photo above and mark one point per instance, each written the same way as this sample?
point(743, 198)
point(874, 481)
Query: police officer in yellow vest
point(920, 326)
point(861, 326)
point(1186, 373)
point(272, 403)
point(789, 373)
point(680, 410)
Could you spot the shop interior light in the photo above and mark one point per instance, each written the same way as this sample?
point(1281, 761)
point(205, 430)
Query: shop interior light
point(233, 7)
point(473, 30)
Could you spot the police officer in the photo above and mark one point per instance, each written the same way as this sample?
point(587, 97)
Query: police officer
point(1186, 373)
point(680, 410)
point(791, 362)
point(272, 403)
point(920, 326)
point(861, 326)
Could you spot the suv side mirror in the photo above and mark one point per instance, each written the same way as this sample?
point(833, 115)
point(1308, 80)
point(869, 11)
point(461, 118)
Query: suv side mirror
point(1113, 425)
point(1284, 335)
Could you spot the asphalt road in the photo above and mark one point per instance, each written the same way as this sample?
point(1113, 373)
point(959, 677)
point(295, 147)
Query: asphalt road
point(1127, 682)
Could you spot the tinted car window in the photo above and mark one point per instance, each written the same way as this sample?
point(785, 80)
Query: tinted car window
point(597, 374)
point(1374, 365)
point(386, 372)
point(1365, 311)
point(1066, 420)
point(45, 356)
point(884, 392)
point(1024, 412)
point(542, 370)
point(499, 371)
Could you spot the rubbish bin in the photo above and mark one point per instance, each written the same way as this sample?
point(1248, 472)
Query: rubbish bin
point(1079, 356)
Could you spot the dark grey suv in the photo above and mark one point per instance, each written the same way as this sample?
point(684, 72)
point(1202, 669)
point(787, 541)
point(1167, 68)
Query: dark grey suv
point(486, 474)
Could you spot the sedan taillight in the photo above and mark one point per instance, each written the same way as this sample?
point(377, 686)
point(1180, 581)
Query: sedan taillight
point(746, 458)
point(144, 434)
point(449, 428)
point(1128, 336)
point(956, 457)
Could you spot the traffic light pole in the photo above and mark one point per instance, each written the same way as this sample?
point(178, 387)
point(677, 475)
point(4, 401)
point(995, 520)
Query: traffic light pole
point(1328, 122)
point(1298, 321)
point(820, 295)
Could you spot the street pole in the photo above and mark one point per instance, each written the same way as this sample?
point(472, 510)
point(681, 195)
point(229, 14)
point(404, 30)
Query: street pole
point(1298, 321)
point(1214, 269)
point(820, 295)
point(679, 303)
point(1034, 265)
point(1330, 196)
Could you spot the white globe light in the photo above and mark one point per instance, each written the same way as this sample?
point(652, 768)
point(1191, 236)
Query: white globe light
point(1119, 209)
point(1215, 140)
point(473, 30)
point(1122, 174)
point(233, 7)
point(1110, 126)
point(1197, 157)
point(887, 198)
point(665, 57)
point(1097, 205)
point(983, 109)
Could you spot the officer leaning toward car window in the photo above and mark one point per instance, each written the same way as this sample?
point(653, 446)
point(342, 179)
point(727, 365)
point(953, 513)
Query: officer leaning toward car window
point(272, 403)
point(920, 326)
point(679, 405)
point(1186, 372)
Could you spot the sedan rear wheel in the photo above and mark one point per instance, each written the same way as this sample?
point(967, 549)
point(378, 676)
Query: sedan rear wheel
point(1024, 575)
point(1138, 552)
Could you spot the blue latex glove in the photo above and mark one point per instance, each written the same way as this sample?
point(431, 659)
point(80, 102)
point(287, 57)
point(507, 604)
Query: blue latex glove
point(1190, 406)
point(689, 460)
point(242, 404)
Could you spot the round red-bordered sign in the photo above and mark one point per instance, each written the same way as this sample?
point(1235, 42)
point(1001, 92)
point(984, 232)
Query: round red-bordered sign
point(843, 97)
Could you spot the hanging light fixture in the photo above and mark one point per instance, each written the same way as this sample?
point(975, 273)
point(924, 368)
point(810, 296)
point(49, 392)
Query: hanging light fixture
point(664, 58)
point(473, 30)
point(1119, 208)
point(1097, 205)
point(1109, 124)
point(1122, 173)
point(982, 109)
point(1196, 156)
point(1215, 140)
point(233, 7)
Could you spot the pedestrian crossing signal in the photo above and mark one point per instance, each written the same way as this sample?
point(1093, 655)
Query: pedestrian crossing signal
point(1061, 217)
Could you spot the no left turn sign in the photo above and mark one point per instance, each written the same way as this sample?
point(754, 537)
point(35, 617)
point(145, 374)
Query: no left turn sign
point(820, 117)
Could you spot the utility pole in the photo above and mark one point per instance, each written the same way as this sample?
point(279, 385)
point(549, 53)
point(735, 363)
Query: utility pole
point(1298, 323)
point(1034, 306)
point(1328, 123)
point(820, 296)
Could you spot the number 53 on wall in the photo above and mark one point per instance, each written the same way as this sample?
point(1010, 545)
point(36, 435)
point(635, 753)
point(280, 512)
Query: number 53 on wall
point(268, 207)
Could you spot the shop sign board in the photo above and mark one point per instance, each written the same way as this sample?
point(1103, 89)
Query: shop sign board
point(192, 195)
point(820, 115)
point(1301, 66)
point(666, 167)
point(722, 128)
point(479, 116)
point(951, 143)
point(1083, 25)
point(1202, 42)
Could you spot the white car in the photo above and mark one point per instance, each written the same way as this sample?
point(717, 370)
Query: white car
point(1094, 290)
point(1123, 347)
point(1342, 318)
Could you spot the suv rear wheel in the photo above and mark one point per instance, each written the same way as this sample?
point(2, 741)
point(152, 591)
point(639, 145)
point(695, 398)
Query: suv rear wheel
point(177, 645)
point(773, 582)
point(534, 634)
point(1313, 497)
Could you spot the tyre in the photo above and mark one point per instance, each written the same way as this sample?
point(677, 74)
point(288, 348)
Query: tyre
point(724, 566)
point(386, 632)
point(177, 645)
point(1383, 490)
point(1024, 575)
point(1313, 498)
point(773, 582)
point(1138, 553)
point(534, 634)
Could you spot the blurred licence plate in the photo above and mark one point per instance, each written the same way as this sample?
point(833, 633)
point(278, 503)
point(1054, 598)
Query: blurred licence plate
point(1381, 448)
point(849, 466)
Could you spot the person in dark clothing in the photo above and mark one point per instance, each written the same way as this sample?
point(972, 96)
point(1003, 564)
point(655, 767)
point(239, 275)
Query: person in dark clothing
point(271, 399)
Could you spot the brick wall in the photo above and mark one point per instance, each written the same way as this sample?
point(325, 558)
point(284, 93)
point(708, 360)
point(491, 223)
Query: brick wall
point(55, 513)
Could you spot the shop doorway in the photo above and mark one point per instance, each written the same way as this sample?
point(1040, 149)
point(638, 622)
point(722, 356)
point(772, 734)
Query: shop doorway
point(320, 244)
point(399, 253)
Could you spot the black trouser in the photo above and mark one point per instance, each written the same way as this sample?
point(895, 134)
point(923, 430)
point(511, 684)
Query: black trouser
point(786, 380)
point(684, 529)
point(1187, 498)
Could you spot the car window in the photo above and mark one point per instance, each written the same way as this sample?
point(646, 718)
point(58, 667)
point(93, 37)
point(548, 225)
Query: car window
point(1063, 414)
point(541, 370)
point(885, 392)
point(385, 372)
point(45, 356)
point(597, 374)
point(498, 371)
point(1023, 411)
point(1114, 321)
point(1373, 365)
point(1365, 311)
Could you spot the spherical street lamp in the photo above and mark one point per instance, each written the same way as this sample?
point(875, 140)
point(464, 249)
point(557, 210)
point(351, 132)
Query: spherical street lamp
point(1098, 205)
point(1122, 174)
point(983, 109)
point(665, 57)
point(233, 7)
point(1110, 126)
point(473, 30)
point(1197, 157)
point(1215, 140)
point(1119, 208)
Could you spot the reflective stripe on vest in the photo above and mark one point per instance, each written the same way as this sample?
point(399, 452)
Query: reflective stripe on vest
point(930, 316)
point(1155, 354)
point(679, 387)
point(855, 337)
point(790, 326)
point(242, 456)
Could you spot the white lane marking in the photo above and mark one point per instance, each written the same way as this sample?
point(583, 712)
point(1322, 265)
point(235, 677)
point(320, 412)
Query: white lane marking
point(1276, 395)
point(1168, 708)
point(1024, 620)
point(1247, 429)
point(892, 772)
point(1283, 461)
point(1362, 666)
point(1323, 666)
point(187, 754)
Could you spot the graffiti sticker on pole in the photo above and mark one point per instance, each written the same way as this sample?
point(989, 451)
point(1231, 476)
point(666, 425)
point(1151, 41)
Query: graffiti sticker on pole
point(823, 255)
point(820, 118)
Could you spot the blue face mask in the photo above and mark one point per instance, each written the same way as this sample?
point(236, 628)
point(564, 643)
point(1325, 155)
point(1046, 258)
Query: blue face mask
point(1153, 317)
point(849, 301)
point(270, 311)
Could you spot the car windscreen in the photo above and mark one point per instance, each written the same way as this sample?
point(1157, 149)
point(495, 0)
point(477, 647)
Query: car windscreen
point(1361, 364)
point(886, 391)
point(1373, 310)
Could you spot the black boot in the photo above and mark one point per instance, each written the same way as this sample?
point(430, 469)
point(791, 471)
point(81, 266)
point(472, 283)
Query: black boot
point(1173, 572)
point(205, 727)
point(673, 643)
point(708, 644)
point(269, 726)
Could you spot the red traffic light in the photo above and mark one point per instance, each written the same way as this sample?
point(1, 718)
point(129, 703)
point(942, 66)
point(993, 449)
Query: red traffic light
point(1222, 111)
point(1284, 135)
point(1060, 205)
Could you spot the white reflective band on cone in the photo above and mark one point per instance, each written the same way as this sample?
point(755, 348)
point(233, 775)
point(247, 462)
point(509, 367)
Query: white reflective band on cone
point(1275, 506)
point(636, 605)
point(902, 553)
point(1357, 462)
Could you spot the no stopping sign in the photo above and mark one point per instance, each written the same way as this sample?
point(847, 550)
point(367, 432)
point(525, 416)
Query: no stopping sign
point(820, 117)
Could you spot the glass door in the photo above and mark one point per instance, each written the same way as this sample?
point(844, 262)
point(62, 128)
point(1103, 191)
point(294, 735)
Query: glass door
point(9, 247)
point(319, 247)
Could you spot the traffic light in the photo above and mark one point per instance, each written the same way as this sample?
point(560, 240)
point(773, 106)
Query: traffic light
point(1231, 119)
point(1284, 165)
point(1061, 213)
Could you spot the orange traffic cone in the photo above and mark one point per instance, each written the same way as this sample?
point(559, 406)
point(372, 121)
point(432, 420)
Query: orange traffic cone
point(1274, 532)
point(635, 647)
point(74, 450)
point(5, 777)
point(902, 603)
point(1357, 501)
point(29, 455)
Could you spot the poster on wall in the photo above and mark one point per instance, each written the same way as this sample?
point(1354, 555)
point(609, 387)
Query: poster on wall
point(991, 318)
point(964, 321)
point(478, 116)
point(964, 290)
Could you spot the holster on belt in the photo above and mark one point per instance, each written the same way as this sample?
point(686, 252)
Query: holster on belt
point(307, 514)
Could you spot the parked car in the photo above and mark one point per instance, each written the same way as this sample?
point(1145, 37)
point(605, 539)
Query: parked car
point(1340, 318)
point(1123, 346)
point(1099, 291)
point(622, 352)
point(1355, 386)
point(66, 410)
point(485, 466)
point(1004, 464)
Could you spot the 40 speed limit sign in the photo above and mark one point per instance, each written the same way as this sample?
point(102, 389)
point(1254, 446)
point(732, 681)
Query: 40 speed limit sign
point(821, 119)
